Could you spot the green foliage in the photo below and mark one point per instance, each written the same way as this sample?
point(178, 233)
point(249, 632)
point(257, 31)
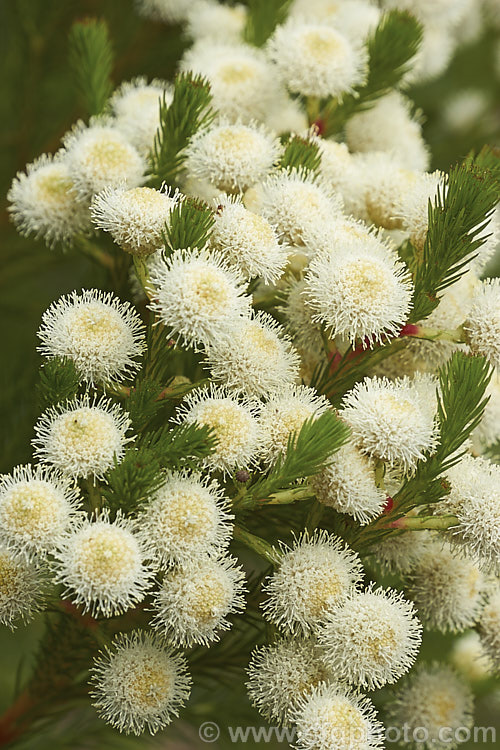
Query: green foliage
point(141, 472)
point(307, 453)
point(391, 47)
point(459, 214)
point(63, 653)
point(301, 152)
point(189, 111)
point(143, 404)
point(58, 381)
point(462, 384)
point(263, 17)
point(190, 225)
point(91, 59)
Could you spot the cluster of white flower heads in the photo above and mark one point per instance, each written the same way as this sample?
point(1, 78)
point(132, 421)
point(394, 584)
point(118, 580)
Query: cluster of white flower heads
point(290, 295)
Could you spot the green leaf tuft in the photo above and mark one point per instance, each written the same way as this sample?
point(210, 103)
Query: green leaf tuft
point(189, 112)
point(263, 17)
point(391, 48)
point(91, 59)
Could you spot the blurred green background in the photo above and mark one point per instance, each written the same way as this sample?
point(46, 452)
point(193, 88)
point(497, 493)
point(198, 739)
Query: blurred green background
point(38, 103)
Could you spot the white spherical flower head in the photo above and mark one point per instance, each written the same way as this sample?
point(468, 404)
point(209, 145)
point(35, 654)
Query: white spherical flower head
point(371, 639)
point(313, 575)
point(314, 59)
point(448, 589)
point(284, 414)
point(187, 518)
point(104, 566)
point(358, 289)
point(43, 202)
point(100, 334)
point(82, 438)
point(431, 698)
point(280, 674)
point(208, 20)
point(37, 506)
point(232, 156)
point(483, 322)
point(379, 184)
point(234, 424)
point(389, 126)
point(475, 500)
point(489, 629)
point(136, 106)
point(400, 552)
point(248, 241)
point(135, 218)
point(469, 657)
point(297, 202)
point(331, 716)
point(139, 684)
point(21, 588)
point(347, 484)
point(99, 156)
point(411, 205)
point(392, 421)
point(255, 357)
point(242, 81)
point(195, 600)
point(196, 295)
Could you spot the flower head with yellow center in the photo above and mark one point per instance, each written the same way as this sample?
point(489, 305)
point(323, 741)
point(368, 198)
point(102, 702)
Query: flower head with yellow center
point(100, 156)
point(234, 424)
point(43, 201)
point(102, 335)
point(196, 294)
point(317, 572)
point(187, 518)
point(195, 600)
point(331, 716)
point(104, 564)
point(37, 507)
point(82, 438)
point(372, 638)
point(139, 683)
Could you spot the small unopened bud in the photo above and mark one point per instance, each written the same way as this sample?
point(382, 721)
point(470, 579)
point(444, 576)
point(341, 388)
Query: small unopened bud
point(242, 476)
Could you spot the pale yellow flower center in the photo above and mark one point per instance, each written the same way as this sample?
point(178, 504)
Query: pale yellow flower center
point(107, 555)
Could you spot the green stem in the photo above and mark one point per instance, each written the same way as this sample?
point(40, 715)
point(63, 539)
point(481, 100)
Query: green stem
point(258, 545)
point(315, 515)
point(94, 495)
point(436, 334)
point(380, 474)
point(244, 501)
point(142, 272)
point(312, 107)
point(417, 523)
point(95, 253)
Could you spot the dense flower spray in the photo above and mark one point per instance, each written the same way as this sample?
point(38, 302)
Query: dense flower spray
point(281, 393)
